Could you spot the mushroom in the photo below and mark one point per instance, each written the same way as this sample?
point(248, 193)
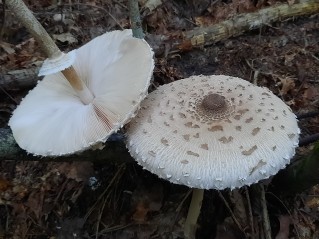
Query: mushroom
point(213, 132)
point(52, 119)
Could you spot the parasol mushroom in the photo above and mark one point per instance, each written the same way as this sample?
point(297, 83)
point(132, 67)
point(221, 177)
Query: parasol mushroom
point(213, 132)
point(52, 119)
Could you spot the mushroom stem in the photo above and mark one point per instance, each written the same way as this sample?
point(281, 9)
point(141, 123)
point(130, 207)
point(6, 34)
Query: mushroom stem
point(135, 18)
point(26, 17)
point(81, 89)
point(193, 213)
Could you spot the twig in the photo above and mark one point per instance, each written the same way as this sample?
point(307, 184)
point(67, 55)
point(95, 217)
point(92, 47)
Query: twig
point(119, 172)
point(250, 211)
point(3, 18)
point(307, 115)
point(266, 223)
point(309, 140)
point(231, 212)
point(204, 36)
point(135, 18)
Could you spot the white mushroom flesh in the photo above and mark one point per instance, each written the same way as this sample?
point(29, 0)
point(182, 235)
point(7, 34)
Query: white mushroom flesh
point(213, 132)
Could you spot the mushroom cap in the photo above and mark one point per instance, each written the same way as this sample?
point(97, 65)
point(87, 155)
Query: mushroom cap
point(213, 132)
point(52, 120)
point(57, 63)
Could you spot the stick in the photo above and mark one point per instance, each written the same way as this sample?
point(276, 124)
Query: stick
point(204, 36)
point(135, 18)
point(47, 44)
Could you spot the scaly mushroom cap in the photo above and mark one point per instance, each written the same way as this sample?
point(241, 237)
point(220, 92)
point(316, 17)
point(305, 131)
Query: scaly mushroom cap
point(213, 132)
point(52, 120)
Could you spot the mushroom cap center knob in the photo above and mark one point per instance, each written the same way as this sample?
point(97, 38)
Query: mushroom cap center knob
point(214, 102)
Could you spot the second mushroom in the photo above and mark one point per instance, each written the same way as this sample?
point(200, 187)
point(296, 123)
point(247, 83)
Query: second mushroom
point(213, 132)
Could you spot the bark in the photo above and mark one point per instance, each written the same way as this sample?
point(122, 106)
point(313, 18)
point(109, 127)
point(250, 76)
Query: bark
point(114, 151)
point(241, 23)
point(135, 17)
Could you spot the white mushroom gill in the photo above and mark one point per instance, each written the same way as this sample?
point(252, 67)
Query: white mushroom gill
point(213, 132)
point(52, 120)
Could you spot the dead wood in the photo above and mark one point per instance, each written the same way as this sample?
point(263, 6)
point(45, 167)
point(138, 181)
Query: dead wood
point(114, 151)
point(241, 23)
point(19, 79)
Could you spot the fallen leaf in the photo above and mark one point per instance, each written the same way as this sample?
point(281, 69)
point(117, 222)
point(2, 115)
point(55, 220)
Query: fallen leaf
point(145, 200)
point(79, 171)
point(285, 222)
point(4, 184)
point(287, 84)
point(65, 37)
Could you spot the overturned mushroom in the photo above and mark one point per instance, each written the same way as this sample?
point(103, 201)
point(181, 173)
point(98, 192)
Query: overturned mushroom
point(53, 120)
point(213, 132)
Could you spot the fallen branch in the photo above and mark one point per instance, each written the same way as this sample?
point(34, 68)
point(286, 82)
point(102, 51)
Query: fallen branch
point(241, 23)
point(114, 151)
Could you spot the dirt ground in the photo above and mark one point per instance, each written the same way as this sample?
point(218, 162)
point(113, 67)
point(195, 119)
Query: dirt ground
point(121, 200)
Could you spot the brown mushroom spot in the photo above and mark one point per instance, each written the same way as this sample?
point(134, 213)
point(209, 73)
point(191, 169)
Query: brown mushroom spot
point(214, 102)
point(196, 135)
point(249, 120)
point(175, 131)
point(216, 128)
point(274, 148)
point(238, 128)
point(181, 103)
point(191, 125)
point(255, 131)
point(225, 140)
point(242, 111)
point(166, 124)
point(249, 151)
point(184, 161)
point(192, 153)
point(282, 127)
point(259, 165)
point(167, 103)
point(237, 117)
point(204, 146)
point(186, 137)
point(182, 115)
point(164, 141)
point(291, 136)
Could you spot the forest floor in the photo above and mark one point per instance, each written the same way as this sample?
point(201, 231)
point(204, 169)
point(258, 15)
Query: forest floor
point(121, 200)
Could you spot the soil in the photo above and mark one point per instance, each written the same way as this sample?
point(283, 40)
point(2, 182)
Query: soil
point(121, 200)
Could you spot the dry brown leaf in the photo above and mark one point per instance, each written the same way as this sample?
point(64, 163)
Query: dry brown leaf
point(146, 200)
point(4, 184)
point(287, 84)
point(285, 222)
point(311, 93)
point(79, 171)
